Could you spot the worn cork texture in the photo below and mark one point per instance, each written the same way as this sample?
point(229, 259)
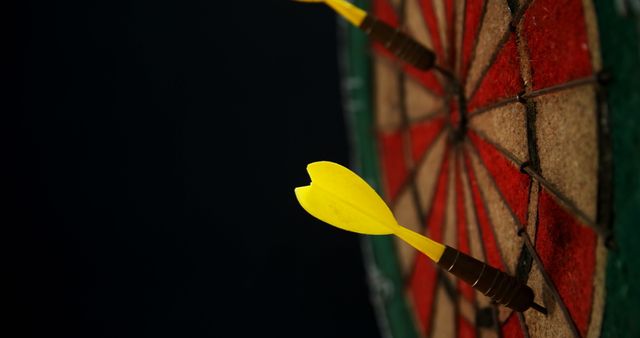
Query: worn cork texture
point(459, 33)
point(428, 171)
point(505, 172)
point(539, 325)
point(462, 226)
point(566, 132)
point(450, 234)
point(493, 28)
point(566, 127)
point(415, 24)
point(421, 136)
point(567, 249)
point(504, 126)
point(423, 282)
point(532, 215)
point(599, 290)
point(387, 96)
point(406, 213)
point(439, 10)
point(429, 17)
point(504, 225)
point(592, 34)
point(449, 231)
point(391, 147)
point(467, 311)
point(475, 241)
point(472, 15)
point(502, 79)
point(419, 102)
point(422, 292)
point(555, 32)
point(444, 316)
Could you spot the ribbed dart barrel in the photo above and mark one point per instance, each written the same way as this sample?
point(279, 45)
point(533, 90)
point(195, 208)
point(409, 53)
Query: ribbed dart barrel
point(499, 286)
point(399, 43)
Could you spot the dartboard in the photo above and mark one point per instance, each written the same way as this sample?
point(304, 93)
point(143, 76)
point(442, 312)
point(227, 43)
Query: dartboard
point(508, 159)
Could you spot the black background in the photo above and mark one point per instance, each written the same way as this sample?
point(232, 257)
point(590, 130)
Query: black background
point(152, 148)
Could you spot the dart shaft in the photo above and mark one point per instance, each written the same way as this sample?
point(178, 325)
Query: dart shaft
point(398, 43)
point(499, 286)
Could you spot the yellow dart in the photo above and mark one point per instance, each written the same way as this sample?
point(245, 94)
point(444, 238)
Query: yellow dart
point(397, 42)
point(341, 198)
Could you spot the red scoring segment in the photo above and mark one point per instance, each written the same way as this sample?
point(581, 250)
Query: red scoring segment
point(567, 250)
point(502, 80)
point(423, 282)
point(553, 32)
point(463, 233)
point(473, 11)
point(556, 34)
point(512, 184)
point(384, 11)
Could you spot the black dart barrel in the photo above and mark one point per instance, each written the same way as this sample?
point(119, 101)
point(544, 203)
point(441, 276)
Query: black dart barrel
point(399, 43)
point(499, 286)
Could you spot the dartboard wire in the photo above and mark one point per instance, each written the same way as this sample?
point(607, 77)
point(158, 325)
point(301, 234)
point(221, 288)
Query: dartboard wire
point(515, 20)
point(472, 56)
point(451, 34)
point(430, 116)
point(427, 213)
point(523, 325)
point(399, 12)
point(407, 145)
point(585, 81)
point(434, 115)
point(429, 33)
point(457, 59)
point(484, 202)
point(435, 33)
point(466, 171)
point(398, 66)
point(480, 193)
point(459, 173)
point(406, 127)
point(523, 267)
point(521, 232)
point(443, 280)
point(549, 282)
point(410, 177)
point(550, 187)
point(438, 273)
point(455, 291)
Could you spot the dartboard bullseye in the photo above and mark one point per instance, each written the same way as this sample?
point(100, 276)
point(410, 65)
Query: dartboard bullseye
point(492, 138)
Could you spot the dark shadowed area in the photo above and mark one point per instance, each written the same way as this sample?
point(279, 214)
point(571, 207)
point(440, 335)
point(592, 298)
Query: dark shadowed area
point(152, 148)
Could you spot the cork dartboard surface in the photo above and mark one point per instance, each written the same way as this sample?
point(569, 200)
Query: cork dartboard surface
point(514, 166)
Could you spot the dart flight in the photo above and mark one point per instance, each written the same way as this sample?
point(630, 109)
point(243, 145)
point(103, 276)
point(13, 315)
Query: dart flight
point(341, 198)
point(397, 42)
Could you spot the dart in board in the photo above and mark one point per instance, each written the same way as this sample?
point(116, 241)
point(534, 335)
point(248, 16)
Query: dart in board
point(339, 197)
point(484, 125)
point(397, 42)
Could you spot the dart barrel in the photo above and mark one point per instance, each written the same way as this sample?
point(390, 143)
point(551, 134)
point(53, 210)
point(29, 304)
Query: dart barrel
point(398, 43)
point(499, 286)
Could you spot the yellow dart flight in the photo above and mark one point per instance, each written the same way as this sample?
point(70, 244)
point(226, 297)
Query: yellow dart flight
point(393, 39)
point(341, 198)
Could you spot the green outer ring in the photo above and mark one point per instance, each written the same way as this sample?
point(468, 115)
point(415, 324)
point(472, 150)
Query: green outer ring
point(619, 38)
point(620, 46)
point(387, 289)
